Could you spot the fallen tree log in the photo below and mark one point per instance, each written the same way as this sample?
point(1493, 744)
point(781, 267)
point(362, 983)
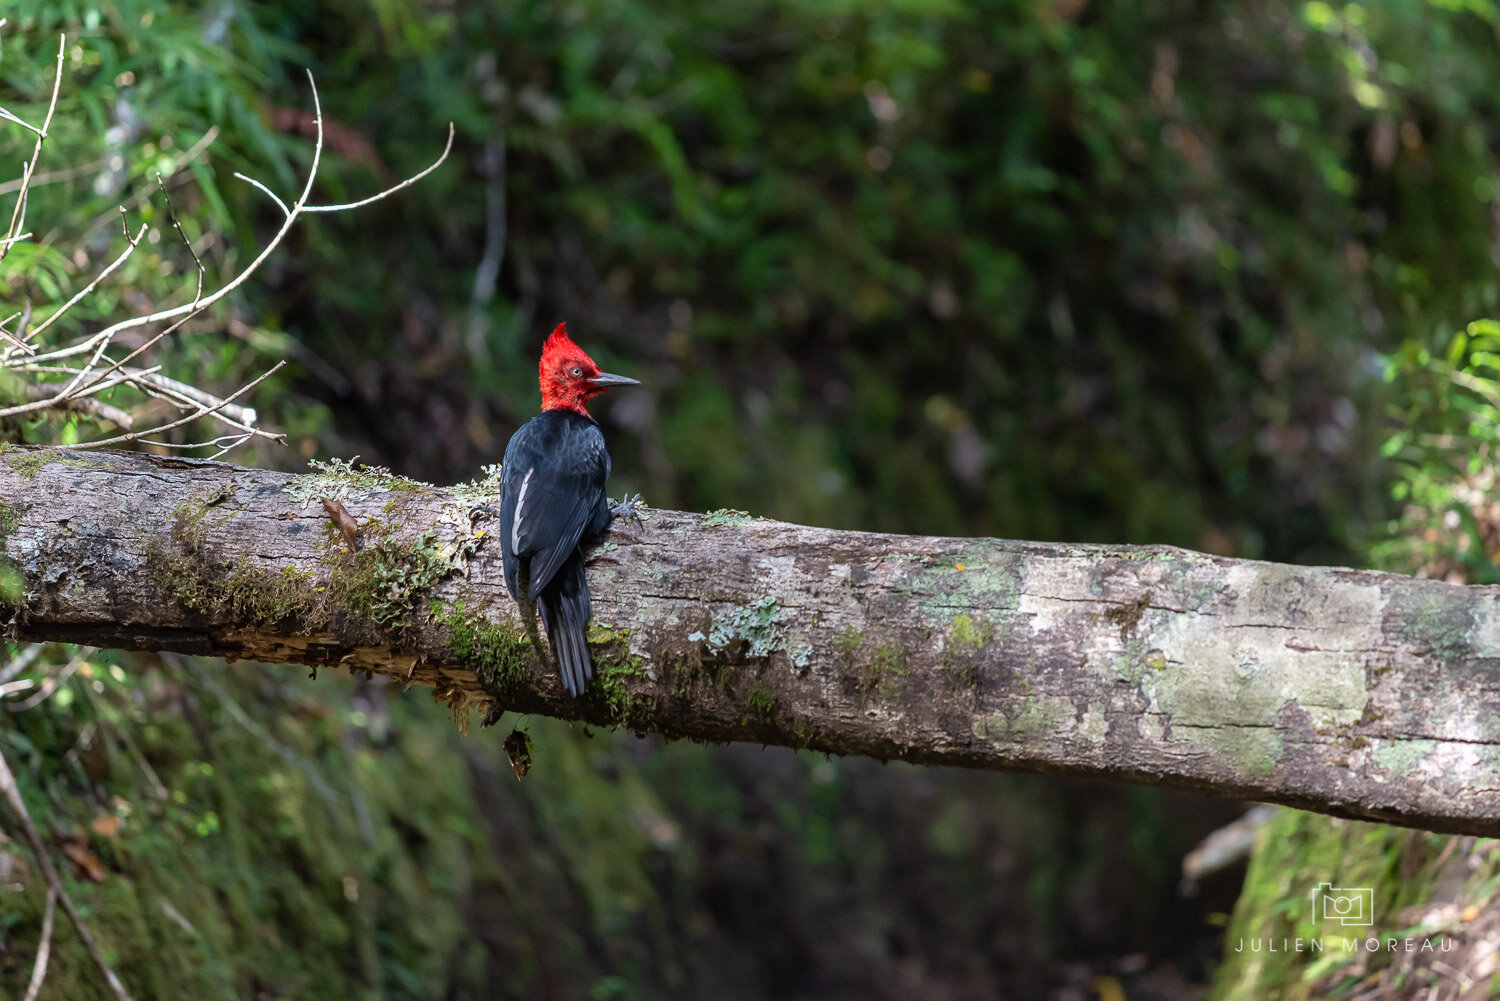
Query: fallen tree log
point(1349, 692)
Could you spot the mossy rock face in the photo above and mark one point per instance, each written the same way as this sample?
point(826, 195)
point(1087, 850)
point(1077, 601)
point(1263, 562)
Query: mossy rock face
point(261, 838)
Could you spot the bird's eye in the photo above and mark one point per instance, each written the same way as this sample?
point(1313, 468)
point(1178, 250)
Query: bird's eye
point(576, 372)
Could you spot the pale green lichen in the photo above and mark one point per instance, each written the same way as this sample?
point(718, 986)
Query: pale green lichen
point(847, 642)
point(1399, 757)
point(1038, 717)
point(384, 579)
point(1236, 713)
point(969, 634)
point(726, 517)
point(27, 463)
point(755, 625)
point(1442, 621)
point(339, 479)
point(370, 596)
point(992, 578)
point(1179, 577)
point(1231, 713)
point(192, 521)
point(1136, 660)
point(1254, 750)
point(12, 580)
point(1128, 616)
point(483, 490)
point(616, 666)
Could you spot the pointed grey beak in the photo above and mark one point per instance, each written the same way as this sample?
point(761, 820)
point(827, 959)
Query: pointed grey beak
point(604, 380)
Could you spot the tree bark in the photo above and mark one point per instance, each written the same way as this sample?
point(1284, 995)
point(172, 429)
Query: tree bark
point(1350, 692)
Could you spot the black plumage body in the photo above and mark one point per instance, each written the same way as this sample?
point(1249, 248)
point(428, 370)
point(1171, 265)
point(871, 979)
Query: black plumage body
point(552, 506)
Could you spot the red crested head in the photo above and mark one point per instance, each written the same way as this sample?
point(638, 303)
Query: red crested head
point(569, 376)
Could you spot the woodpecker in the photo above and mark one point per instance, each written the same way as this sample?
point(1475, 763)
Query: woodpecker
point(552, 502)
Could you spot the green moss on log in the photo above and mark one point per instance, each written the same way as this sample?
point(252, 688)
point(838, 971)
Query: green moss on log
point(500, 655)
point(614, 668)
point(28, 463)
point(370, 596)
point(887, 668)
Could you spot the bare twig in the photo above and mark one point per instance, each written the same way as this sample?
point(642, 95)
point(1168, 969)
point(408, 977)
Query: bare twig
point(140, 198)
point(23, 659)
point(43, 949)
point(286, 212)
point(235, 441)
point(54, 176)
point(288, 345)
point(177, 225)
point(176, 917)
point(203, 411)
point(291, 216)
point(53, 682)
point(346, 206)
point(134, 242)
point(25, 316)
point(84, 405)
point(19, 214)
point(39, 849)
point(21, 122)
point(180, 390)
point(22, 351)
point(18, 344)
point(121, 735)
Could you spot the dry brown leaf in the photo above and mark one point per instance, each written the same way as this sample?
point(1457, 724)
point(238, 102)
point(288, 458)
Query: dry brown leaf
point(344, 520)
point(86, 864)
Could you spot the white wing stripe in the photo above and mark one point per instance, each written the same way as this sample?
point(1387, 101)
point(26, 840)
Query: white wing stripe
point(515, 525)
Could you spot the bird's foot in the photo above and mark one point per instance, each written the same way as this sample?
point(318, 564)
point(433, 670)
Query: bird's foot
point(628, 509)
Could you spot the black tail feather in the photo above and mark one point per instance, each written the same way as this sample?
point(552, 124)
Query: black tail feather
point(565, 608)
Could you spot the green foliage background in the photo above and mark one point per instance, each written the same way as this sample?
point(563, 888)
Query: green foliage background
point(1145, 272)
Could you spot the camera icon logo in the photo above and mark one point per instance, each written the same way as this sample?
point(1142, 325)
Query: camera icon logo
point(1348, 905)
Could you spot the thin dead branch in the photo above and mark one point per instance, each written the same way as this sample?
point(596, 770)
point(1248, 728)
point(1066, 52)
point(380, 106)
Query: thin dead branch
point(23, 659)
point(18, 216)
point(39, 849)
point(86, 405)
point(57, 382)
point(43, 949)
point(346, 206)
point(53, 683)
point(203, 411)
